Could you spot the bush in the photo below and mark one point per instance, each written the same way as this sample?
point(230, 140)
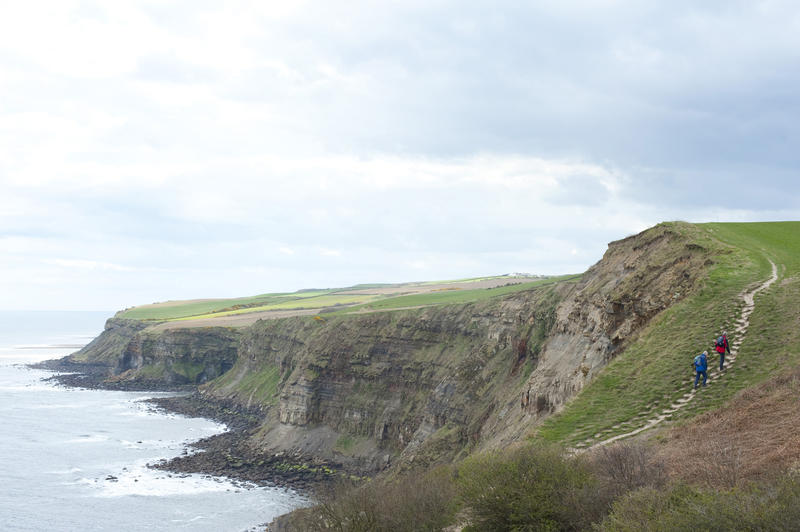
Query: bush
point(421, 502)
point(774, 507)
point(627, 466)
point(533, 487)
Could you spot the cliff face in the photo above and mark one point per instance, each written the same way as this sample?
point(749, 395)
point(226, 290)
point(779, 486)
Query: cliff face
point(370, 388)
point(106, 349)
point(128, 350)
point(637, 278)
point(415, 386)
point(180, 356)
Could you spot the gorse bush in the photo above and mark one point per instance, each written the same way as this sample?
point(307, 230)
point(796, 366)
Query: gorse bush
point(533, 487)
point(422, 502)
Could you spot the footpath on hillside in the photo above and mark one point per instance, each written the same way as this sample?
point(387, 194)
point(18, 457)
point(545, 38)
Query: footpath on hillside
point(740, 329)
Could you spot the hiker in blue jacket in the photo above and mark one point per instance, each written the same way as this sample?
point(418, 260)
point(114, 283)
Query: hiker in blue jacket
point(701, 367)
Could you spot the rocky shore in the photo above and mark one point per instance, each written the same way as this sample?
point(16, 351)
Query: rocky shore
point(95, 377)
point(227, 454)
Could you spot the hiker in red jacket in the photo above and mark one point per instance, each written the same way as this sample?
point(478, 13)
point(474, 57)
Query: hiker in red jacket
point(721, 345)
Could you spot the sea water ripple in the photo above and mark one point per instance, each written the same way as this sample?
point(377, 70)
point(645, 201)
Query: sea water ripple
point(75, 459)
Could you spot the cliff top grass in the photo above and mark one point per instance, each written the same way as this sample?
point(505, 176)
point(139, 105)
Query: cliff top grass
point(180, 309)
point(382, 296)
point(654, 371)
point(447, 297)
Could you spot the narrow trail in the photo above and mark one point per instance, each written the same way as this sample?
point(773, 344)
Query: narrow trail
point(740, 329)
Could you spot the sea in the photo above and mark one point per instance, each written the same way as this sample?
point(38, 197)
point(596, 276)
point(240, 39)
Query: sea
point(75, 459)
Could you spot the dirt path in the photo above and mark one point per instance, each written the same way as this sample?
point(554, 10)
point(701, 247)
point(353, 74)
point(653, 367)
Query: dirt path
point(741, 331)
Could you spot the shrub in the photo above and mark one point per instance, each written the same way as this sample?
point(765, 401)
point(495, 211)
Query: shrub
point(774, 507)
point(421, 502)
point(534, 487)
point(627, 466)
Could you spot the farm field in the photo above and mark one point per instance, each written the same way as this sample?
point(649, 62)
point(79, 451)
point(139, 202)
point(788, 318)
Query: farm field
point(238, 312)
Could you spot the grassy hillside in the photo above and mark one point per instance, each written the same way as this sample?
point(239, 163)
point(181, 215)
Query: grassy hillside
point(655, 370)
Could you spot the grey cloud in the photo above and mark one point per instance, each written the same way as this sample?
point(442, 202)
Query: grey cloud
point(580, 190)
point(682, 87)
point(693, 106)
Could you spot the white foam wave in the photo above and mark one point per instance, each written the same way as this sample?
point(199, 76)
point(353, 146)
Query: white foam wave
point(142, 481)
point(66, 471)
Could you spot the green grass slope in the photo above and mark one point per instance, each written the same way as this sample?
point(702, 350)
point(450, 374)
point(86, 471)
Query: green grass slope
point(655, 370)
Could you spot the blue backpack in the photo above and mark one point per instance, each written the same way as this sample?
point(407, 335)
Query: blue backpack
point(698, 362)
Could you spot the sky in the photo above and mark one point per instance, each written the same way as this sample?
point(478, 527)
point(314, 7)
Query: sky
point(159, 150)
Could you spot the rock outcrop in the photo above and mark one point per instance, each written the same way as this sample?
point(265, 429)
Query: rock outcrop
point(128, 351)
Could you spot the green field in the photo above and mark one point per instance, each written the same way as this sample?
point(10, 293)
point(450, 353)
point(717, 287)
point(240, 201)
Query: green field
point(318, 302)
point(326, 298)
point(655, 370)
point(445, 297)
point(181, 309)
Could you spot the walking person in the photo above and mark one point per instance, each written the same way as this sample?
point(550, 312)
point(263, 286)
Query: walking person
point(701, 367)
point(721, 345)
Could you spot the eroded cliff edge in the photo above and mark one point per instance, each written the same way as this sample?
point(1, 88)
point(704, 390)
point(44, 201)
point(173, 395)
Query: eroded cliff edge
point(412, 387)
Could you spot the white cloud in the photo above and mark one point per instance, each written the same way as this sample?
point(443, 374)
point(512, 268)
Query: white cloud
point(162, 150)
point(80, 264)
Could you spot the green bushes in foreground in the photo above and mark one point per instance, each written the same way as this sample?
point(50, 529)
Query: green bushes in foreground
point(541, 488)
point(530, 488)
point(424, 502)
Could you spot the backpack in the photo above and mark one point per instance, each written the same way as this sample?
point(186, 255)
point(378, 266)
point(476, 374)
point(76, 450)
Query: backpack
point(698, 362)
point(720, 342)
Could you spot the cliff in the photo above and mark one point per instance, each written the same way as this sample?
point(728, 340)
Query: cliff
point(130, 350)
point(415, 386)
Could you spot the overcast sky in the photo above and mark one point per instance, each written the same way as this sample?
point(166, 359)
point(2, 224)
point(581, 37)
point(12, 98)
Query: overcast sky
point(154, 150)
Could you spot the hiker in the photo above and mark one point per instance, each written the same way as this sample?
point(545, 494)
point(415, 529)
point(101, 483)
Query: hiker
point(700, 366)
point(721, 345)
